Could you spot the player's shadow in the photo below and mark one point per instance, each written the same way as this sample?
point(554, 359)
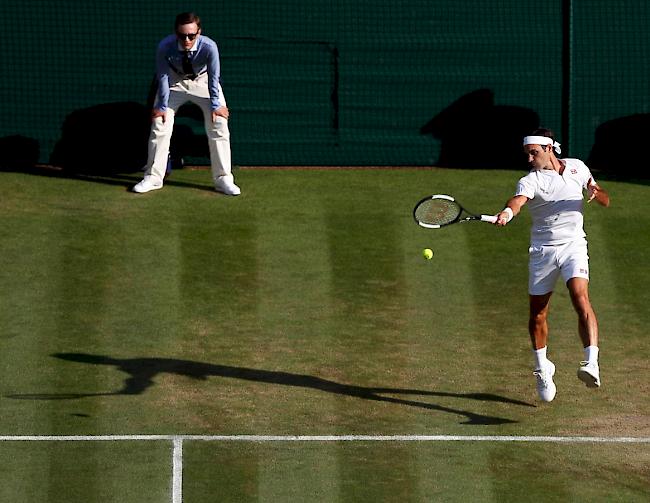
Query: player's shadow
point(121, 148)
point(476, 133)
point(103, 139)
point(617, 149)
point(18, 153)
point(142, 371)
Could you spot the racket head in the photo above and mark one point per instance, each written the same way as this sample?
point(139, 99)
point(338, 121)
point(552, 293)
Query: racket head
point(436, 211)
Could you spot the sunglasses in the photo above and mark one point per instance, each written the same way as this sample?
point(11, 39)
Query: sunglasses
point(187, 36)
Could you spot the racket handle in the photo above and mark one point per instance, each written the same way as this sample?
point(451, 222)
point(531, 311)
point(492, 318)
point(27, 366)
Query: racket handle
point(489, 218)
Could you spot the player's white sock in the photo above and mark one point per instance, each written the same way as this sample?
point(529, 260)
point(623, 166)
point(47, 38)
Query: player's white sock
point(540, 357)
point(591, 354)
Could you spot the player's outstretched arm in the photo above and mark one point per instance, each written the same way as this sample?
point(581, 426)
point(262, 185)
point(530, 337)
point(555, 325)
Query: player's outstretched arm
point(511, 210)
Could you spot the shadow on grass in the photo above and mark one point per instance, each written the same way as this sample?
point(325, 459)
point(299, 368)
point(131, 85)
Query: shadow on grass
point(142, 371)
point(127, 181)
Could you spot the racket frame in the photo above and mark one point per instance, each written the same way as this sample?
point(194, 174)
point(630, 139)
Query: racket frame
point(459, 219)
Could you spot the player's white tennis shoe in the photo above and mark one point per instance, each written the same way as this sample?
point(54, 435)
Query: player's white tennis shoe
point(146, 185)
point(545, 385)
point(227, 186)
point(589, 374)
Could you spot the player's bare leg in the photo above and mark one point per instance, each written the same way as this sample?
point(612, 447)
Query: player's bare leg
point(537, 324)
point(538, 330)
point(588, 372)
point(587, 323)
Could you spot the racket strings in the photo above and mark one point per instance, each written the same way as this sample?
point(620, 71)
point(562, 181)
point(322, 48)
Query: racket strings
point(438, 212)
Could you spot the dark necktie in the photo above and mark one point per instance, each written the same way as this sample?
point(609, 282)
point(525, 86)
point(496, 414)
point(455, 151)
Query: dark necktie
point(187, 65)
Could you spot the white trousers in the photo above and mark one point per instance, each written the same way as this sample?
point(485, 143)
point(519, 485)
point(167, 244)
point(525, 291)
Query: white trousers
point(180, 92)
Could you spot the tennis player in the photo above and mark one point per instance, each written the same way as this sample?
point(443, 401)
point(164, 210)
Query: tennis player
point(188, 69)
point(553, 190)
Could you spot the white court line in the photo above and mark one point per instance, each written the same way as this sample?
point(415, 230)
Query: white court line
point(177, 471)
point(177, 441)
point(410, 438)
point(322, 438)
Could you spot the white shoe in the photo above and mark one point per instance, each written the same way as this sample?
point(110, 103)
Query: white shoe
point(545, 385)
point(146, 185)
point(589, 374)
point(227, 186)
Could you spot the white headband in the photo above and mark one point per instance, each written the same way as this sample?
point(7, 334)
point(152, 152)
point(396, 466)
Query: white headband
point(543, 140)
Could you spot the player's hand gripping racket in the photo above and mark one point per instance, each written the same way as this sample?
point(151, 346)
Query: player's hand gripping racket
point(439, 210)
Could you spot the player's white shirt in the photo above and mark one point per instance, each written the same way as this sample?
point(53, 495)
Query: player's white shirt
point(556, 202)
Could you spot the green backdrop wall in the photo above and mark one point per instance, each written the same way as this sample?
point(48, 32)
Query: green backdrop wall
point(331, 82)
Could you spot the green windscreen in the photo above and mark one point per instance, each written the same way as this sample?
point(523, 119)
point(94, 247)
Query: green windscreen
point(339, 82)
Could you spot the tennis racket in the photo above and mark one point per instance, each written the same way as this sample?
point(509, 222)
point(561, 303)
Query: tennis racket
point(440, 210)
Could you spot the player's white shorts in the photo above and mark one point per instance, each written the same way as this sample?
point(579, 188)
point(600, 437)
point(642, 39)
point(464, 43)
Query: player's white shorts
point(547, 263)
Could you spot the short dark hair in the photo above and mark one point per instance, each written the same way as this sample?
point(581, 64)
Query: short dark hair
point(187, 18)
point(543, 132)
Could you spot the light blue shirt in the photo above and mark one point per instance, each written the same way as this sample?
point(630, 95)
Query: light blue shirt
point(169, 61)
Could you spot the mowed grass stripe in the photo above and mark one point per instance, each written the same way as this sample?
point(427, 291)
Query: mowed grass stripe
point(350, 248)
point(623, 246)
point(446, 325)
point(466, 298)
point(273, 364)
point(369, 221)
point(82, 472)
point(297, 342)
point(505, 473)
point(619, 256)
point(28, 314)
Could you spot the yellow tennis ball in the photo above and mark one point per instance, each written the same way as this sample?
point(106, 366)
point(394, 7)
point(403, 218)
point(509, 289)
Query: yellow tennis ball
point(427, 253)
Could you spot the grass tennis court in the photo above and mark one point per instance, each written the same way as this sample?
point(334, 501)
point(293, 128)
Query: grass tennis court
point(304, 307)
